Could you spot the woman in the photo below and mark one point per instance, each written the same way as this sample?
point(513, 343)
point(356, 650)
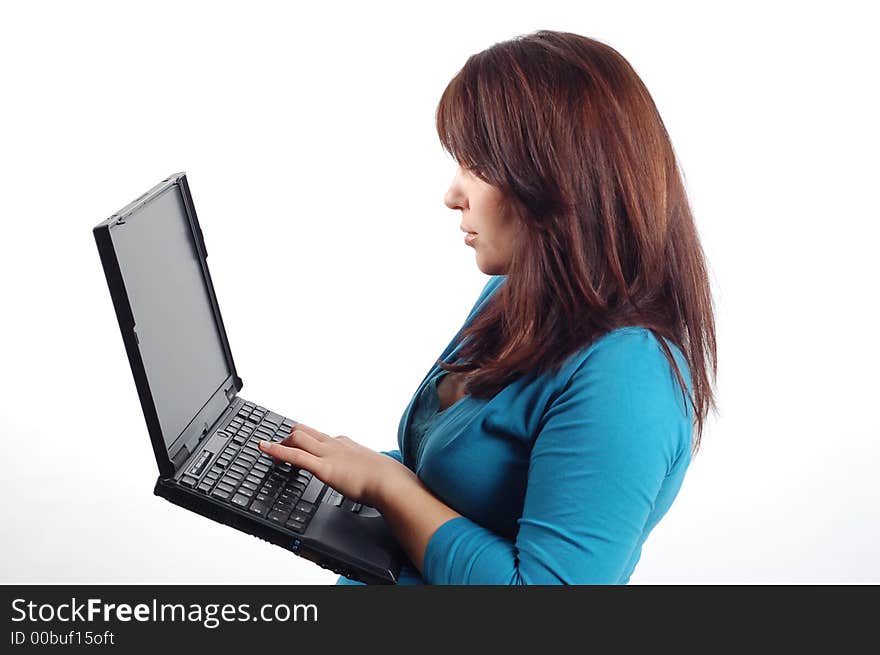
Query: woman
point(555, 430)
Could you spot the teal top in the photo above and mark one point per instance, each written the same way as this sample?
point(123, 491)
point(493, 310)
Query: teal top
point(560, 477)
point(425, 413)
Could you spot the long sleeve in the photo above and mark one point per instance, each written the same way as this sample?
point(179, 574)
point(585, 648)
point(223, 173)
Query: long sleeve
point(599, 462)
point(395, 454)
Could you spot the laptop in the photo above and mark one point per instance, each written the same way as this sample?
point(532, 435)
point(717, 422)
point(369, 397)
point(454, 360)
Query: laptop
point(204, 434)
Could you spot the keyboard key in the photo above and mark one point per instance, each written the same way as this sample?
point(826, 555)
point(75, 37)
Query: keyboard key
point(225, 486)
point(335, 498)
point(296, 523)
point(205, 487)
point(240, 500)
point(254, 478)
point(310, 495)
point(283, 505)
point(277, 516)
point(296, 515)
point(189, 481)
point(305, 507)
point(232, 477)
point(356, 508)
point(249, 485)
point(259, 507)
point(220, 493)
point(247, 492)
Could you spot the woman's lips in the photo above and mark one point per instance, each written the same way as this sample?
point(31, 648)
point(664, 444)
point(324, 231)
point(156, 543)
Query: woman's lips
point(469, 238)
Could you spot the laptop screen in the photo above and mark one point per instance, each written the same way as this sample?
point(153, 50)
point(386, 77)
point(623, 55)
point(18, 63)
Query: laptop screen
point(174, 321)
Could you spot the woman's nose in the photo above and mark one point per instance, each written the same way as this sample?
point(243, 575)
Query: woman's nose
point(455, 197)
point(449, 199)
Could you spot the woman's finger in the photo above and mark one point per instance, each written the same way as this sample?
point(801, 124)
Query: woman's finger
point(302, 439)
point(317, 434)
point(296, 456)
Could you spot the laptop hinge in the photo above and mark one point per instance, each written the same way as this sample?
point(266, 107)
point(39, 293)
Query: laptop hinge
point(189, 448)
point(192, 445)
point(180, 458)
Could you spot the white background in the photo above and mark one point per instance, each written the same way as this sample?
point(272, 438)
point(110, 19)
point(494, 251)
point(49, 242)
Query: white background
point(308, 139)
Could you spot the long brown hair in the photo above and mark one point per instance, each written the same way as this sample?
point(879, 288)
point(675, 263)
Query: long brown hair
point(563, 126)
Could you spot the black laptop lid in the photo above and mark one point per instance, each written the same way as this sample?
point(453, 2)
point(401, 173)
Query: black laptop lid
point(170, 314)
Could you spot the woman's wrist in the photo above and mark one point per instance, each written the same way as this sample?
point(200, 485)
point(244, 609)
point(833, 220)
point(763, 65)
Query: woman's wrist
point(394, 485)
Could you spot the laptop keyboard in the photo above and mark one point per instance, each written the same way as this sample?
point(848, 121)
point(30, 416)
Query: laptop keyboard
point(243, 476)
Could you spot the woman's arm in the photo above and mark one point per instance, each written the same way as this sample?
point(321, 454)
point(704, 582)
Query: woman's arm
point(413, 514)
point(597, 467)
point(370, 477)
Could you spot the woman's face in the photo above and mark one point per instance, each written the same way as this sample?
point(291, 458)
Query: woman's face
point(489, 224)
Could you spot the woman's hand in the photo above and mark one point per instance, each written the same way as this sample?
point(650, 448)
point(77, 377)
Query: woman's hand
point(355, 471)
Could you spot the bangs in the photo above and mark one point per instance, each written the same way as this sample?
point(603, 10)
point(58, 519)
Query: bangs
point(461, 121)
